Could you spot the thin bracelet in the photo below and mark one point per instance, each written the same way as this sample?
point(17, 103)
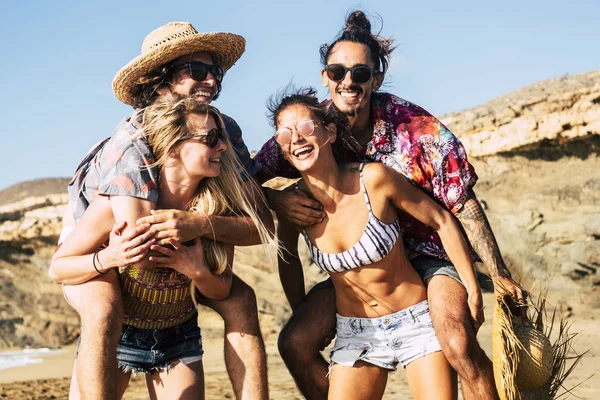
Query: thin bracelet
point(94, 263)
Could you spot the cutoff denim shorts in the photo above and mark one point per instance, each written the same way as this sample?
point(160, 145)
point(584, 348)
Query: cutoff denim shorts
point(429, 267)
point(401, 337)
point(153, 350)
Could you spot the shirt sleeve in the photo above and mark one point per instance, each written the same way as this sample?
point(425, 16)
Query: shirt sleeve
point(241, 150)
point(441, 158)
point(126, 168)
point(79, 186)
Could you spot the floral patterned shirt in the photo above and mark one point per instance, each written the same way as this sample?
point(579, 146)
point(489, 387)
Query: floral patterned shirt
point(413, 142)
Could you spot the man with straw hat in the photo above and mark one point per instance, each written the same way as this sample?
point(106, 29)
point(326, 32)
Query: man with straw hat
point(174, 58)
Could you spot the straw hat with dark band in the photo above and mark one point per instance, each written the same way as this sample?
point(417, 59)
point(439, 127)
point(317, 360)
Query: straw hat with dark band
point(169, 42)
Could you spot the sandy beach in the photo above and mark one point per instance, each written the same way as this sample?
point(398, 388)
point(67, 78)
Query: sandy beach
point(50, 379)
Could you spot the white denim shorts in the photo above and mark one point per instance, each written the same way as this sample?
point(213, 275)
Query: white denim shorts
point(401, 337)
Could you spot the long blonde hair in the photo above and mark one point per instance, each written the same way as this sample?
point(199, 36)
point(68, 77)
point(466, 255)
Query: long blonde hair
point(164, 123)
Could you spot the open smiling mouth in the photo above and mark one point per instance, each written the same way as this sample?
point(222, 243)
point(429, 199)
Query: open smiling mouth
point(303, 152)
point(203, 93)
point(350, 95)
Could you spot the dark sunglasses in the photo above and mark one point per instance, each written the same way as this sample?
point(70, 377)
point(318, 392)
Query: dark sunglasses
point(360, 74)
point(212, 137)
point(199, 71)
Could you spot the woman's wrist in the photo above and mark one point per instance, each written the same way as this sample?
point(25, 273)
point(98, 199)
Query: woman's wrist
point(105, 260)
point(98, 264)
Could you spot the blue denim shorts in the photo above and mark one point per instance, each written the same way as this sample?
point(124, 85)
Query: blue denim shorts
point(153, 350)
point(401, 337)
point(429, 267)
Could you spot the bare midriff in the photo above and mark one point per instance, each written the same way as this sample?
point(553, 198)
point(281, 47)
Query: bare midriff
point(379, 289)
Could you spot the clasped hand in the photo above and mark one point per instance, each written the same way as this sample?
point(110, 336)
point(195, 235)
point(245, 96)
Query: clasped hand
point(179, 225)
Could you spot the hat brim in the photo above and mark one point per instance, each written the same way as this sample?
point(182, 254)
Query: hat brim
point(226, 47)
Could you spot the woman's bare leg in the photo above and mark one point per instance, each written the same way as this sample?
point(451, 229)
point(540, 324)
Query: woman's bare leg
point(74, 393)
point(432, 368)
point(122, 383)
point(362, 381)
point(184, 382)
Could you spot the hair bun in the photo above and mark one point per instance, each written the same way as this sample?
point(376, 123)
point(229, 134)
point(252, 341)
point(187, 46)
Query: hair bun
point(357, 20)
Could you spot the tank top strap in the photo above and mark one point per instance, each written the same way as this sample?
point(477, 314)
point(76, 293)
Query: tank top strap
point(364, 189)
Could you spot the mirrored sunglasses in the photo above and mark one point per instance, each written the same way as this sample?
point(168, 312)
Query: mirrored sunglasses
point(360, 74)
point(199, 71)
point(305, 127)
point(211, 138)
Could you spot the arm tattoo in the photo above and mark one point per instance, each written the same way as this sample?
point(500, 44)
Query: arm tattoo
point(353, 170)
point(480, 235)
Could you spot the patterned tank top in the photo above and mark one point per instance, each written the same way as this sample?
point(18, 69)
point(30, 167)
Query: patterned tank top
point(375, 243)
point(155, 298)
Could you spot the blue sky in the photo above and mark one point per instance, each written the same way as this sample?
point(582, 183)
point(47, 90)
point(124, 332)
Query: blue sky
point(58, 59)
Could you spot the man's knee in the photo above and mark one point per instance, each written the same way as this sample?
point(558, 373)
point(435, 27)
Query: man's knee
point(456, 342)
point(239, 310)
point(295, 343)
point(98, 302)
point(451, 320)
point(103, 317)
point(308, 328)
point(462, 350)
point(242, 295)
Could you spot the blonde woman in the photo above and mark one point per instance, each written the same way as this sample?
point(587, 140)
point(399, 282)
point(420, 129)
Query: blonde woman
point(197, 171)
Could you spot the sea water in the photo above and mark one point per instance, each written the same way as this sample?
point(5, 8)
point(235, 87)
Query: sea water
point(20, 358)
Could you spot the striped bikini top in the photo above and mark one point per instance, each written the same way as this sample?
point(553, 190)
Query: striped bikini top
point(375, 243)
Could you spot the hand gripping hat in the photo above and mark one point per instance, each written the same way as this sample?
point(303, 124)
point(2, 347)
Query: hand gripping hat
point(169, 42)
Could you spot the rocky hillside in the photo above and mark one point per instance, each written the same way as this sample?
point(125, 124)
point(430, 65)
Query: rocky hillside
point(536, 153)
point(38, 187)
point(546, 114)
point(32, 310)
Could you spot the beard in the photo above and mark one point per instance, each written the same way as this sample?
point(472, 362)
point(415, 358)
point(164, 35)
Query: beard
point(350, 110)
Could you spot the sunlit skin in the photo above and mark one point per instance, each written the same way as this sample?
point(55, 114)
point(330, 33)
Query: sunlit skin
point(384, 287)
point(189, 162)
point(194, 158)
point(302, 160)
point(244, 350)
point(381, 288)
point(351, 98)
